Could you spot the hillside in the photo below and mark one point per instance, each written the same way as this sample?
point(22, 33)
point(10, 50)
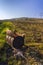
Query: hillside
point(33, 28)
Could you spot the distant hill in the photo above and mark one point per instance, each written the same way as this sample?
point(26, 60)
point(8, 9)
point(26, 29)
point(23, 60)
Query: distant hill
point(25, 19)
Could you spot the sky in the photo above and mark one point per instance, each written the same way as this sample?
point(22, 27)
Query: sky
point(21, 8)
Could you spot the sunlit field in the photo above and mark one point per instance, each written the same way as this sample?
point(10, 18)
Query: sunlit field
point(33, 29)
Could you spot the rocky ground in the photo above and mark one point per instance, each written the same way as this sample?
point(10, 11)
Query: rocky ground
point(33, 57)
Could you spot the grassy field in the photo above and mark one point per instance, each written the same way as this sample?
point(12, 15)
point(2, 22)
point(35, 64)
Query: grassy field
point(33, 29)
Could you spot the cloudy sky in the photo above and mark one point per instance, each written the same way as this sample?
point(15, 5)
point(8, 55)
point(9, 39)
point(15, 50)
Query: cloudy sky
point(21, 8)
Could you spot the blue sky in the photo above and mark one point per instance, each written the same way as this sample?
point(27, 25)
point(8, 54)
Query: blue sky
point(21, 8)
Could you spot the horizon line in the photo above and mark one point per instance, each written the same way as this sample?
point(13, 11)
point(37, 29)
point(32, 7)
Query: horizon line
point(22, 17)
